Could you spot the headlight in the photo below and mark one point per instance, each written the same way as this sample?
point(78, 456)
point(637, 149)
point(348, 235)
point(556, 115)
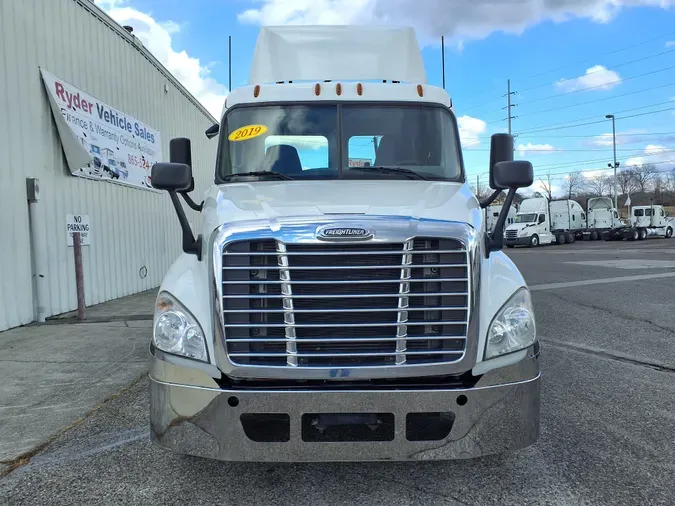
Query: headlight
point(522, 232)
point(513, 327)
point(176, 331)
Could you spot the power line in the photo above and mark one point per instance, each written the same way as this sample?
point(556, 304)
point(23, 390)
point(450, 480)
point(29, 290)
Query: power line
point(481, 105)
point(558, 175)
point(586, 136)
point(598, 85)
point(601, 55)
point(565, 125)
point(598, 100)
point(575, 63)
point(640, 154)
point(608, 169)
point(604, 69)
point(593, 161)
point(556, 150)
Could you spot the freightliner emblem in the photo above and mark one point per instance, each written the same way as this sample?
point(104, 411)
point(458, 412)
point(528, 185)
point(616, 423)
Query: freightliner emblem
point(337, 233)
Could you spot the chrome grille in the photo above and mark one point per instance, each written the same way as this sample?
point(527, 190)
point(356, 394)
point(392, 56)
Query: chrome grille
point(511, 234)
point(345, 305)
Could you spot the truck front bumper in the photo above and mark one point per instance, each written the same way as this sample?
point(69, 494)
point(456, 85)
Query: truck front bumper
point(518, 241)
point(500, 413)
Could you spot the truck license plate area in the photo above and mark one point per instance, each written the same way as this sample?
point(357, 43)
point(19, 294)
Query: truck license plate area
point(347, 427)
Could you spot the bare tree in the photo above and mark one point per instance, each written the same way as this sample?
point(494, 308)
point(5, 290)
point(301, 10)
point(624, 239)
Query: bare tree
point(546, 184)
point(669, 182)
point(659, 185)
point(643, 175)
point(600, 186)
point(480, 190)
point(625, 181)
point(574, 182)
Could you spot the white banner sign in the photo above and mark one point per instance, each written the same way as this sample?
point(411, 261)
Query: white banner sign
point(101, 142)
point(78, 223)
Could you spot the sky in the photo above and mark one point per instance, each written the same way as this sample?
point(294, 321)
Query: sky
point(570, 63)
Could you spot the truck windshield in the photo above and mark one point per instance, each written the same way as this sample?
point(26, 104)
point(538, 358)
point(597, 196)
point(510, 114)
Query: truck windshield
point(525, 218)
point(347, 141)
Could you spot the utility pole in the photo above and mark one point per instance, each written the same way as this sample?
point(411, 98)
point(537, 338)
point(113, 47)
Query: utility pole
point(509, 104)
point(611, 116)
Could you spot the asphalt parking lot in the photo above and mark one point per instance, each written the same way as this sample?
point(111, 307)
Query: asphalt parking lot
point(606, 319)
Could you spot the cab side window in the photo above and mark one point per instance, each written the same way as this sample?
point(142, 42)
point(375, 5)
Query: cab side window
point(542, 218)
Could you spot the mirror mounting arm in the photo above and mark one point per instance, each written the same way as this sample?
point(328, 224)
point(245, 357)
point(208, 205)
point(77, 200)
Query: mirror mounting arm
point(495, 241)
point(490, 199)
point(191, 203)
point(190, 245)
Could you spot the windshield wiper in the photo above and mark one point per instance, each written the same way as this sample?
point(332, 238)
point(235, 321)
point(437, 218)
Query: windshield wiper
point(398, 170)
point(260, 173)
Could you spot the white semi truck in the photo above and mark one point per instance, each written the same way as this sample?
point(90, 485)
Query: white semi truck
point(645, 221)
point(539, 221)
point(492, 216)
point(602, 218)
point(337, 313)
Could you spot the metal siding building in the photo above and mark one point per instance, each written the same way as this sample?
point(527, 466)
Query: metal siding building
point(130, 228)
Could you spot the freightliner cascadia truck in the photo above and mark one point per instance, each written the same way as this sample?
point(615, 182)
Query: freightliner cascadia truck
point(328, 312)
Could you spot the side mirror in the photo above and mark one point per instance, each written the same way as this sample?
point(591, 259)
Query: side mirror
point(505, 174)
point(501, 150)
point(173, 177)
point(176, 177)
point(512, 174)
point(212, 131)
point(180, 151)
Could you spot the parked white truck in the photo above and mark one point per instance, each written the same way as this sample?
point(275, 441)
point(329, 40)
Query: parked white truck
point(602, 218)
point(331, 313)
point(492, 216)
point(539, 221)
point(645, 221)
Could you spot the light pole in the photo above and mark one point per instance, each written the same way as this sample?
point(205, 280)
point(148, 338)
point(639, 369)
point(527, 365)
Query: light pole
point(611, 116)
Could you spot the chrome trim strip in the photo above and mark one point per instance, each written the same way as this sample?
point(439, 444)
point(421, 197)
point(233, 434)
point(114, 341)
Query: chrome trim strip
point(388, 230)
point(375, 295)
point(289, 316)
point(403, 303)
point(351, 391)
point(322, 325)
point(405, 295)
point(340, 267)
point(350, 339)
point(338, 354)
point(383, 252)
point(350, 282)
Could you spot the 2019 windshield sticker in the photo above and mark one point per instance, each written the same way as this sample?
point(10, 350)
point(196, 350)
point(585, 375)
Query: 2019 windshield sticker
point(247, 132)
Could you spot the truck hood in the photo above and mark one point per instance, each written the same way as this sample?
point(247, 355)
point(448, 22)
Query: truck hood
point(281, 199)
point(518, 226)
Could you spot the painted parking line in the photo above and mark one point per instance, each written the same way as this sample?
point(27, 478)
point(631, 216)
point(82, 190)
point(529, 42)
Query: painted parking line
point(622, 279)
point(628, 263)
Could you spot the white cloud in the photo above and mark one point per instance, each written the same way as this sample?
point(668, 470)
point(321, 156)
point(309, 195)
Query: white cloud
point(156, 37)
point(595, 173)
point(529, 148)
point(661, 156)
point(540, 185)
point(596, 78)
point(470, 130)
point(670, 43)
point(433, 18)
point(622, 138)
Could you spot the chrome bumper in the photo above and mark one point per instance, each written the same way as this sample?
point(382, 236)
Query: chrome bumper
point(500, 413)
